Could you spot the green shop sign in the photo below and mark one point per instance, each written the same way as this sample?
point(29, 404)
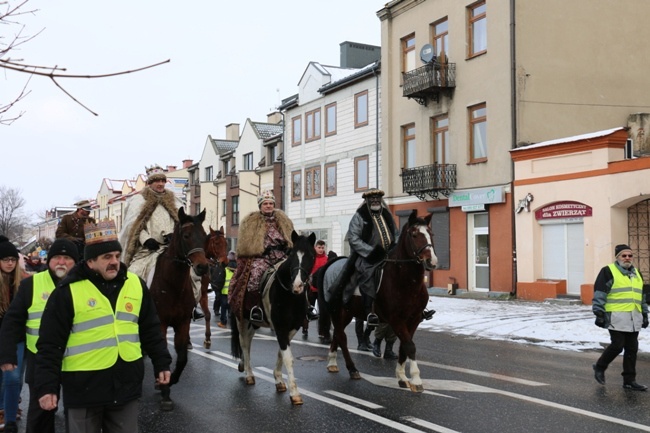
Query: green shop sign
point(493, 194)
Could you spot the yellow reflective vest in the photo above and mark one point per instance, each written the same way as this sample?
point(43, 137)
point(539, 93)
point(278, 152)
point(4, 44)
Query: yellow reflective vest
point(229, 274)
point(626, 293)
point(100, 334)
point(43, 287)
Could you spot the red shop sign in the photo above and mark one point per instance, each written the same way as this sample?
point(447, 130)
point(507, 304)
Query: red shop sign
point(563, 209)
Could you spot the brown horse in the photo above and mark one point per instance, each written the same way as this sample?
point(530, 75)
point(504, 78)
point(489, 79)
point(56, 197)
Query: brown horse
point(401, 298)
point(215, 251)
point(171, 288)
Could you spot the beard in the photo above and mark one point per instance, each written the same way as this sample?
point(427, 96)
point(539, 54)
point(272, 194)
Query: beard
point(625, 265)
point(60, 271)
point(375, 207)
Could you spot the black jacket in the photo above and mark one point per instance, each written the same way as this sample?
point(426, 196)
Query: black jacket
point(116, 385)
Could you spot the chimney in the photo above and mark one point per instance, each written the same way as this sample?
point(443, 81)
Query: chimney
point(356, 55)
point(274, 117)
point(232, 132)
point(187, 163)
point(171, 168)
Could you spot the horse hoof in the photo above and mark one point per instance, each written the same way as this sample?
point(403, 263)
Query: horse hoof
point(250, 381)
point(240, 367)
point(207, 344)
point(355, 375)
point(166, 405)
point(280, 387)
point(332, 369)
point(403, 384)
point(417, 388)
point(296, 401)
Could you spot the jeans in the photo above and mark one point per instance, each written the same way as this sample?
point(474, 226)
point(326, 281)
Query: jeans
point(12, 384)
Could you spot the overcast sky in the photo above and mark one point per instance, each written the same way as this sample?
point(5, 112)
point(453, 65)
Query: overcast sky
point(229, 61)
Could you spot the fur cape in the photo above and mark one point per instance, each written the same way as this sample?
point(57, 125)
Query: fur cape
point(167, 199)
point(252, 230)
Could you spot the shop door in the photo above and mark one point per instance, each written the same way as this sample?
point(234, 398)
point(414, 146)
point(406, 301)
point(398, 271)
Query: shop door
point(480, 252)
point(564, 254)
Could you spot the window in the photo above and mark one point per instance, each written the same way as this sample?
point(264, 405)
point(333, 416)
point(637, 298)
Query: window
point(361, 109)
point(224, 205)
point(408, 146)
point(312, 125)
point(478, 133)
point(441, 37)
point(248, 161)
point(312, 182)
point(226, 167)
point(270, 155)
point(330, 179)
point(477, 27)
point(296, 183)
point(440, 135)
point(208, 174)
point(330, 119)
point(361, 173)
point(235, 210)
point(296, 137)
point(408, 53)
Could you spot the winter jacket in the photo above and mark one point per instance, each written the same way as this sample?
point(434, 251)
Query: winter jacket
point(115, 385)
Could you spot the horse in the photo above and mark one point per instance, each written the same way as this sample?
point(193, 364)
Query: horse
point(400, 300)
point(171, 288)
point(215, 252)
point(285, 303)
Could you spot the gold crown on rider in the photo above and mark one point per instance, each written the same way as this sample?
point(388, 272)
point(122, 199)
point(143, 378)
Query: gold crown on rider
point(374, 192)
point(265, 196)
point(155, 172)
point(103, 231)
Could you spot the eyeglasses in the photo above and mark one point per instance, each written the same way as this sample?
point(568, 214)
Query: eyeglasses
point(625, 256)
point(9, 260)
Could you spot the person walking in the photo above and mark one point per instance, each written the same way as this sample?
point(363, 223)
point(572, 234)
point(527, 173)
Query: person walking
point(99, 301)
point(620, 307)
point(384, 331)
point(22, 321)
point(312, 295)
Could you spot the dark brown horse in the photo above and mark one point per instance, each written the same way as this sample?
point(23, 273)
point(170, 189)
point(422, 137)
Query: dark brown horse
point(401, 298)
point(172, 288)
point(215, 251)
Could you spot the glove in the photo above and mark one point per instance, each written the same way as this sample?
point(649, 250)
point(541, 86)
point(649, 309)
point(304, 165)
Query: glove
point(645, 321)
point(376, 255)
point(167, 238)
point(601, 320)
point(151, 244)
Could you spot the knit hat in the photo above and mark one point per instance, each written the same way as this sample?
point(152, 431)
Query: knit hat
point(265, 196)
point(620, 248)
point(155, 172)
point(7, 249)
point(101, 238)
point(63, 247)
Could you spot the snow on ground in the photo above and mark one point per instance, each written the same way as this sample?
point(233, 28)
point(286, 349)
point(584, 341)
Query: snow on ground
point(565, 327)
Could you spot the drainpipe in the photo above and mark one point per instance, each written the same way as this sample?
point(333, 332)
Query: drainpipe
point(282, 177)
point(374, 72)
point(513, 117)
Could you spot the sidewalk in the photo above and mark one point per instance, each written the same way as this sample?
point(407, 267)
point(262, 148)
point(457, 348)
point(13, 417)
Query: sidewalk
point(556, 325)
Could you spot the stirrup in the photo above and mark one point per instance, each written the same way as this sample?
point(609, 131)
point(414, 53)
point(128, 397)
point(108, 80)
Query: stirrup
point(372, 320)
point(428, 314)
point(312, 314)
point(257, 315)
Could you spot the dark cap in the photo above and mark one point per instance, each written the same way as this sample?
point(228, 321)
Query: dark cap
point(63, 247)
point(620, 248)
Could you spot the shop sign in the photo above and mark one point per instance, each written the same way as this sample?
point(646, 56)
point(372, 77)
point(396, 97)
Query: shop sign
point(563, 210)
point(494, 194)
point(472, 207)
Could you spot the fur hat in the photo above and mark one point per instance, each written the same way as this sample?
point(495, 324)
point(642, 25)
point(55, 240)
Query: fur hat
point(620, 248)
point(101, 238)
point(63, 247)
point(83, 204)
point(7, 249)
point(372, 193)
point(265, 196)
point(155, 172)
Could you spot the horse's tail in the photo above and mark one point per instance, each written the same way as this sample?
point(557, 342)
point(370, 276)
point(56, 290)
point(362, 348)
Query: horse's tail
point(235, 345)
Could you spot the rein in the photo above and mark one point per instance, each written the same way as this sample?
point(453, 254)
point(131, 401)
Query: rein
point(297, 268)
point(186, 255)
point(416, 254)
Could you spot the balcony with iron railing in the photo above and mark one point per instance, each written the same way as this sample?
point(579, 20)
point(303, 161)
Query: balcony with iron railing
point(431, 180)
point(429, 81)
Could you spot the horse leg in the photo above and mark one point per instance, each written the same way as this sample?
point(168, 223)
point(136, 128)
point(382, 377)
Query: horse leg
point(181, 338)
point(342, 341)
point(407, 351)
point(246, 334)
point(207, 342)
point(286, 357)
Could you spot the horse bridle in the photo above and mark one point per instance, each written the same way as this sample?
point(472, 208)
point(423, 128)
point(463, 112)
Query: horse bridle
point(416, 254)
point(186, 255)
point(297, 268)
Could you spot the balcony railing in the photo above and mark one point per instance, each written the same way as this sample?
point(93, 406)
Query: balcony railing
point(431, 180)
point(428, 81)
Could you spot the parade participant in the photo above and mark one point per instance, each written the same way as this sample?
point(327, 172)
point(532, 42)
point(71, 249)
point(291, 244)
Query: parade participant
point(384, 331)
point(11, 275)
point(99, 301)
point(21, 324)
point(312, 295)
point(221, 277)
point(149, 219)
point(71, 226)
point(264, 240)
point(621, 308)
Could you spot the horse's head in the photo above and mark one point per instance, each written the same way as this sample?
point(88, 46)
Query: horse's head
point(300, 261)
point(417, 239)
point(188, 241)
point(216, 246)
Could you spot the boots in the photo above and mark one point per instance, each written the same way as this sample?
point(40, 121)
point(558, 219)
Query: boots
point(599, 374)
point(388, 353)
point(376, 347)
point(312, 314)
point(428, 314)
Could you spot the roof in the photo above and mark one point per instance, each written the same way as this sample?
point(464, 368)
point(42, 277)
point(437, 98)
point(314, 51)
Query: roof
point(569, 139)
point(223, 147)
point(267, 130)
point(344, 77)
point(289, 102)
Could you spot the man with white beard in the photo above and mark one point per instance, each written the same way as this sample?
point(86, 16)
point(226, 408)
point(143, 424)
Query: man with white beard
point(22, 321)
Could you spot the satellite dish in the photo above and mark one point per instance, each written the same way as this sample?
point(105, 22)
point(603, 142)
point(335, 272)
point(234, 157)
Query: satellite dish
point(427, 53)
